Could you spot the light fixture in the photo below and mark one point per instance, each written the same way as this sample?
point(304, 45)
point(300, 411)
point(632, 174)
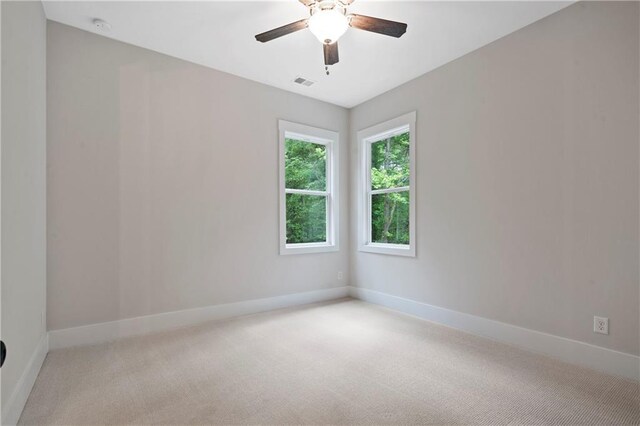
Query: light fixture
point(328, 20)
point(328, 24)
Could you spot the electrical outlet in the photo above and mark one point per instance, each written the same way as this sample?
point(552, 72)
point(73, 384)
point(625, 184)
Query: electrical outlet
point(340, 276)
point(601, 325)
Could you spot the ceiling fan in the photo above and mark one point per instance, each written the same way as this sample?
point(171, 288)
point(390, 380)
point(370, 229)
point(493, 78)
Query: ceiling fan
point(328, 21)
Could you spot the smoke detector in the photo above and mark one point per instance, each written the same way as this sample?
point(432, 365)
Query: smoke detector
point(101, 25)
point(303, 81)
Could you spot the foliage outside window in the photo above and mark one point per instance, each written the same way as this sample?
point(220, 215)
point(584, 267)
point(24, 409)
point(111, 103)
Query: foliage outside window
point(305, 166)
point(387, 208)
point(390, 190)
point(308, 202)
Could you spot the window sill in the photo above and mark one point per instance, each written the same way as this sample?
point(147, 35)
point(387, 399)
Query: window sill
point(308, 248)
point(391, 249)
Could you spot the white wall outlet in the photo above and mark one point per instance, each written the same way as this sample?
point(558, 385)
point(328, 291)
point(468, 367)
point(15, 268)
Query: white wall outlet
point(601, 325)
point(340, 276)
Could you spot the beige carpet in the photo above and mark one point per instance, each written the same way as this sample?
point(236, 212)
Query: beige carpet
point(334, 363)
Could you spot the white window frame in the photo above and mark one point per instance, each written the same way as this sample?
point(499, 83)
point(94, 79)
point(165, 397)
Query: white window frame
point(366, 137)
point(328, 138)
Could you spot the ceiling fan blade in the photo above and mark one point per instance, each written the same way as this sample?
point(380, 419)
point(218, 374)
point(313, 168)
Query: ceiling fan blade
point(308, 3)
point(377, 25)
point(283, 30)
point(331, 53)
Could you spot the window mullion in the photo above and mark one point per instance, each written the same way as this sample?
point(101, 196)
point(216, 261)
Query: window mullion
point(306, 192)
point(389, 190)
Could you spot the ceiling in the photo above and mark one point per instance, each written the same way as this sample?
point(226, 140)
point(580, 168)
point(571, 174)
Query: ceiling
point(219, 34)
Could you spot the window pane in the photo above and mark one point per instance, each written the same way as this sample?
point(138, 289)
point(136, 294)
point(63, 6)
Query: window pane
point(305, 165)
point(390, 162)
point(306, 218)
point(390, 218)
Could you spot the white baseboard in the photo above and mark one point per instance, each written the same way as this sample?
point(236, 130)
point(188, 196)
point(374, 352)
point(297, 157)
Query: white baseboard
point(572, 351)
point(106, 331)
point(11, 413)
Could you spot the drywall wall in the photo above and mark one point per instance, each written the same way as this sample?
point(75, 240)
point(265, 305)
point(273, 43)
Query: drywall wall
point(163, 184)
point(23, 173)
point(527, 179)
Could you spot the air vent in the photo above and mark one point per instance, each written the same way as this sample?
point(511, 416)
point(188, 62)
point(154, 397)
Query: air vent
point(303, 81)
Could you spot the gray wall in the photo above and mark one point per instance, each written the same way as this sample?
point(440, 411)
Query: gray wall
point(23, 244)
point(162, 181)
point(163, 184)
point(527, 179)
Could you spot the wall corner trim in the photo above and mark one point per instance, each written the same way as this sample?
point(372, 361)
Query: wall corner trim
point(16, 402)
point(568, 350)
point(112, 330)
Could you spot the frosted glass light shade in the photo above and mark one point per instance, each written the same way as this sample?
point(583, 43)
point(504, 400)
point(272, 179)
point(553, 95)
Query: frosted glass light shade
point(328, 25)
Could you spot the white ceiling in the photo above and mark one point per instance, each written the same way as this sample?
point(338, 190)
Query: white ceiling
point(219, 34)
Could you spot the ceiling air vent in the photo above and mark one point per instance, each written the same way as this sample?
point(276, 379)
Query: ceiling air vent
point(303, 81)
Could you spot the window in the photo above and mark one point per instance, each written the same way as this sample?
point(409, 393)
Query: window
point(387, 201)
point(308, 189)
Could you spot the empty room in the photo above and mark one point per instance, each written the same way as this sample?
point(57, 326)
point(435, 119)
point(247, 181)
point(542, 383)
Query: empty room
point(320, 212)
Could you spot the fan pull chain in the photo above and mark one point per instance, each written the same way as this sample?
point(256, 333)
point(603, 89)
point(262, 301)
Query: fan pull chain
point(326, 68)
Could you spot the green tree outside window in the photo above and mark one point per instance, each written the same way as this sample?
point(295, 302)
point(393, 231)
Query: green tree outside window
point(305, 169)
point(389, 171)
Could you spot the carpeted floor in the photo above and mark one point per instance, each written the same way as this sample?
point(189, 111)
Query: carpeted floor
point(333, 363)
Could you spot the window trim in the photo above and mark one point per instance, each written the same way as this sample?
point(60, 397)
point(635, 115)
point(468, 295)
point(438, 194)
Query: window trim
point(328, 138)
point(365, 138)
